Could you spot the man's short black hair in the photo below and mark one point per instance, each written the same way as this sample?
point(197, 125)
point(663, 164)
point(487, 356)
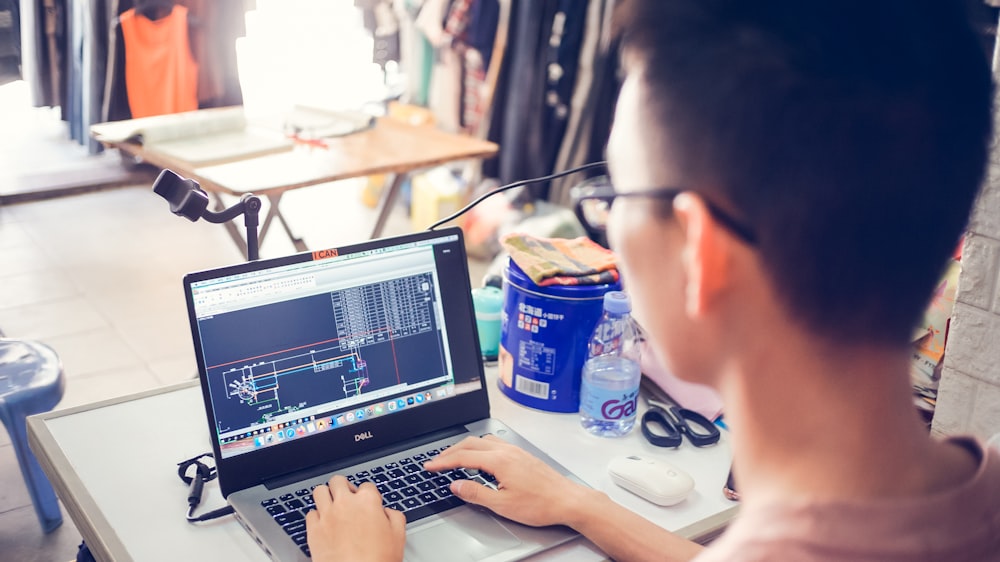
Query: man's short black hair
point(851, 135)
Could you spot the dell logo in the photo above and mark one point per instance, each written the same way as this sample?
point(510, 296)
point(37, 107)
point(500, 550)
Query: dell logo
point(363, 436)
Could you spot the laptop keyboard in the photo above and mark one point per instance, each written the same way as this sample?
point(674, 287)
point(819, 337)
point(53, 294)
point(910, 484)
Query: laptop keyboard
point(404, 484)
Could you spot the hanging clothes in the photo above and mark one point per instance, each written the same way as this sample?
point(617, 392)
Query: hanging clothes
point(555, 94)
point(462, 33)
point(444, 90)
point(562, 59)
point(455, 25)
point(10, 42)
point(85, 68)
point(416, 56)
point(523, 153)
point(43, 50)
point(161, 75)
point(575, 147)
point(383, 23)
point(473, 27)
point(385, 44)
point(604, 94)
point(213, 26)
point(72, 103)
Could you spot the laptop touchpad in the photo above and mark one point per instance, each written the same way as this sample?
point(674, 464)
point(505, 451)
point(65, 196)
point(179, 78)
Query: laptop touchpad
point(462, 536)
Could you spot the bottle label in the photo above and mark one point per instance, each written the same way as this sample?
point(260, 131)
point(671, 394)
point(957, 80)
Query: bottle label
point(607, 336)
point(608, 405)
point(535, 389)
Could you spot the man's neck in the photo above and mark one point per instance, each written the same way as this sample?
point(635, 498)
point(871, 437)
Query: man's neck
point(815, 422)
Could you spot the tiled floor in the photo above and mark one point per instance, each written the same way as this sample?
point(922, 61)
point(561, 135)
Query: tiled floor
point(98, 277)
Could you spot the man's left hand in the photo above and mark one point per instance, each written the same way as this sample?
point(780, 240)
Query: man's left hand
point(349, 523)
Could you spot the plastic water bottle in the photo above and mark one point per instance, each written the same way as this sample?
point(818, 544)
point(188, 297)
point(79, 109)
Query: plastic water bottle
point(610, 386)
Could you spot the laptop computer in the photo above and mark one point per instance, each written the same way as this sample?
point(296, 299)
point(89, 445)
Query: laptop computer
point(362, 361)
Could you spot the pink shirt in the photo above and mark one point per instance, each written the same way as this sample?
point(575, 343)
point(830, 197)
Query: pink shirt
point(958, 525)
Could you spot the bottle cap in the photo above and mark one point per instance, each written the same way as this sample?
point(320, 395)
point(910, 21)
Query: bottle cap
point(617, 302)
point(487, 300)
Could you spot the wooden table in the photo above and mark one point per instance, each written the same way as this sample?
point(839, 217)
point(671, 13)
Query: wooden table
point(390, 147)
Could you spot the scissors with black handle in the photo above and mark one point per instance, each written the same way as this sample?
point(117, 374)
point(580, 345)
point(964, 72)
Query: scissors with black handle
point(672, 422)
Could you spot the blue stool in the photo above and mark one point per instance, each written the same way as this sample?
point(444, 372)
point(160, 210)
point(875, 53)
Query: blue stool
point(31, 382)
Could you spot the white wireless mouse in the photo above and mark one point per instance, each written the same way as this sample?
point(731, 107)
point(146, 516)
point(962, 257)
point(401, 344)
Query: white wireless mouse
point(653, 480)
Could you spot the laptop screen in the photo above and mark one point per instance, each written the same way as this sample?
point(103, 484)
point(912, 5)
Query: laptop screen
point(294, 350)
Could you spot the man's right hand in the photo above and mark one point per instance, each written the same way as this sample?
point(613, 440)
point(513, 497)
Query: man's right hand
point(528, 490)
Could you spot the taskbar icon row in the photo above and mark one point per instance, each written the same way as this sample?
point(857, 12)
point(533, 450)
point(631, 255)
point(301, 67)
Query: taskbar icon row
point(297, 428)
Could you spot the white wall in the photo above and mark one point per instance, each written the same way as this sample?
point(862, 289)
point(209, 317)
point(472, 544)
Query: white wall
point(969, 391)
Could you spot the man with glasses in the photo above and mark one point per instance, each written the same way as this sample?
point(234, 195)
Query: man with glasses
point(790, 178)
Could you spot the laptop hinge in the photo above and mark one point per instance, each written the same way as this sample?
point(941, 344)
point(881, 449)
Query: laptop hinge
point(318, 470)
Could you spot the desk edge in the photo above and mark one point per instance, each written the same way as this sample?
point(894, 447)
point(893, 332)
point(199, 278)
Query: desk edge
point(97, 532)
point(196, 172)
point(705, 531)
point(203, 174)
point(117, 400)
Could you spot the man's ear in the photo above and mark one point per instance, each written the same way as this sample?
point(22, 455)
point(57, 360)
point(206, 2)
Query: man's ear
point(703, 255)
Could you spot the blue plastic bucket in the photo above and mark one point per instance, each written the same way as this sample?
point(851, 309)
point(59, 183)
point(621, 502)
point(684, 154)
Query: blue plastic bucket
point(543, 339)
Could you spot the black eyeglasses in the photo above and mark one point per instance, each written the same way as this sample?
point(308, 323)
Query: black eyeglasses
point(592, 204)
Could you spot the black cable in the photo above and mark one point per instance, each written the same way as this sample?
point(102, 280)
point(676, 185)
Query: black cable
point(221, 512)
point(203, 472)
point(510, 186)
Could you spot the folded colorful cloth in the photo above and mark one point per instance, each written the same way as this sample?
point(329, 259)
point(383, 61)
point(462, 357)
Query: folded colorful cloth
point(560, 261)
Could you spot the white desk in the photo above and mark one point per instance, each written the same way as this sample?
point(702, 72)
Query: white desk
point(114, 465)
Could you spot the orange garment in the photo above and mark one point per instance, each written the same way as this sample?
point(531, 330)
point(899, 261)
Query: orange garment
point(161, 76)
